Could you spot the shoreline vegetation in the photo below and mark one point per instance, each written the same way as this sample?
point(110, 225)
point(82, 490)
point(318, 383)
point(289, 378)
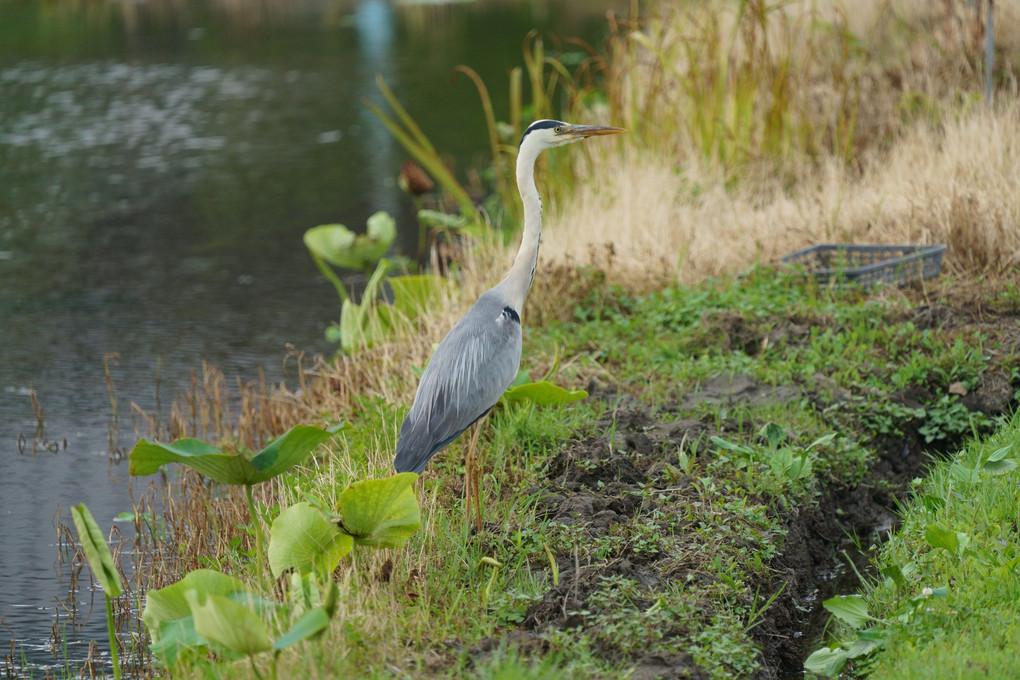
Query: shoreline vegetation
point(746, 429)
point(943, 603)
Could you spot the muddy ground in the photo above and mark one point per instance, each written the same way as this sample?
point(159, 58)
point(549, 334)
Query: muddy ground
point(595, 484)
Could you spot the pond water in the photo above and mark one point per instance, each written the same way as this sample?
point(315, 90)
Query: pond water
point(159, 163)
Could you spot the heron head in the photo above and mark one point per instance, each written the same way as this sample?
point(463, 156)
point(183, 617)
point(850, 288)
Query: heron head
point(552, 133)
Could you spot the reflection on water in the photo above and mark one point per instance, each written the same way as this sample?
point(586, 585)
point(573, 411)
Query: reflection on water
point(159, 163)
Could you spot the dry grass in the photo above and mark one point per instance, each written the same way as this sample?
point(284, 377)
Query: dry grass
point(954, 185)
point(940, 172)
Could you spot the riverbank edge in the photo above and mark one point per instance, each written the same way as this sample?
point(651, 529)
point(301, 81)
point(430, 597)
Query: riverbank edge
point(944, 603)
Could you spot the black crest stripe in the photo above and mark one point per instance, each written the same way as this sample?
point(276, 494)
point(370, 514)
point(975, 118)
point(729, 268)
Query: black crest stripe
point(541, 125)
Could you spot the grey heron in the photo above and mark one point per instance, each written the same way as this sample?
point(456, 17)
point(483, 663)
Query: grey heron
point(479, 357)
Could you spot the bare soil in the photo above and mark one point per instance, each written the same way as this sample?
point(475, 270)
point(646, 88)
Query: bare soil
point(596, 483)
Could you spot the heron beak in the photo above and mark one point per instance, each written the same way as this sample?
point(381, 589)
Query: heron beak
point(583, 131)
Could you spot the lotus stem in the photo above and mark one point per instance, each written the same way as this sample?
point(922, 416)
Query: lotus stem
point(330, 275)
point(257, 526)
point(113, 637)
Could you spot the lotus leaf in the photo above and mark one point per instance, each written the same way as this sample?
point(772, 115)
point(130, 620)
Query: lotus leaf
point(381, 512)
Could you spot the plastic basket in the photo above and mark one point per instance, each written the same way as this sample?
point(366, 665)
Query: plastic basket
point(868, 265)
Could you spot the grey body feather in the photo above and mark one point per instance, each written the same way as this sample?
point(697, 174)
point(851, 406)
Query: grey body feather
point(473, 365)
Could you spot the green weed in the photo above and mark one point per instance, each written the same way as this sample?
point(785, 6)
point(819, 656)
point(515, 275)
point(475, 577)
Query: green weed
point(948, 573)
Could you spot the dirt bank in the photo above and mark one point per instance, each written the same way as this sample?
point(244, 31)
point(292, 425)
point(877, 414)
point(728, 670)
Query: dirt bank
point(597, 485)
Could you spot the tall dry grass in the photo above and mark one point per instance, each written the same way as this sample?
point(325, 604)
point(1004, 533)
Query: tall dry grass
point(954, 184)
point(760, 128)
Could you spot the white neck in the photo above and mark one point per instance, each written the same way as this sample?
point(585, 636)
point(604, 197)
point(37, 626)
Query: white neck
point(517, 282)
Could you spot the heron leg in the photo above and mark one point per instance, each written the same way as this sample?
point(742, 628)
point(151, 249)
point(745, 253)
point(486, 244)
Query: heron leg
point(473, 477)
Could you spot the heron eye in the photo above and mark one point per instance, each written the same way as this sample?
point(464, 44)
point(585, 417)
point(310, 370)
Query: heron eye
point(560, 129)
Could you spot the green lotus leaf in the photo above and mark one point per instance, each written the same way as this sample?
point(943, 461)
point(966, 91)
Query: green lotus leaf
point(381, 512)
point(290, 449)
point(169, 603)
point(542, 393)
point(303, 539)
point(174, 639)
point(286, 451)
point(96, 551)
point(341, 247)
point(328, 240)
point(167, 613)
point(382, 228)
point(222, 621)
point(147, 457)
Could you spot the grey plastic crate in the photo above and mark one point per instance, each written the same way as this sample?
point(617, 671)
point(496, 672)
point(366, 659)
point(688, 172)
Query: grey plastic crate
point(866, 265)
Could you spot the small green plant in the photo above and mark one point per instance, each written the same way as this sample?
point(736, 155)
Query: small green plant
point(97, 552)
point(996, 463)
point(364, 324)
point(789, 462)
point(626, 620)
point(496, 566)
point(939, 549)
point(948, 418)
point(339, 246)
point(210, 611)
point(879, 415)
point(852, 611)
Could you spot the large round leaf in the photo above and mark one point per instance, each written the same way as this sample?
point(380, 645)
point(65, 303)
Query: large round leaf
point(381, 512)
point(302, 539)
point(169, 603)
point(167, 613)
point(286, 451)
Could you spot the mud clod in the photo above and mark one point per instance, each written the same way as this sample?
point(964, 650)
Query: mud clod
point(679, 666)
point(591, 462)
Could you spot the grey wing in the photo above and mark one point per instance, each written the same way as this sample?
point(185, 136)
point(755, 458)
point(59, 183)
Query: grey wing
point(473, 365)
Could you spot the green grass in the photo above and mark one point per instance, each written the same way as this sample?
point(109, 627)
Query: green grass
point(698, 539)
point(948, 602)
point(781, 330)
